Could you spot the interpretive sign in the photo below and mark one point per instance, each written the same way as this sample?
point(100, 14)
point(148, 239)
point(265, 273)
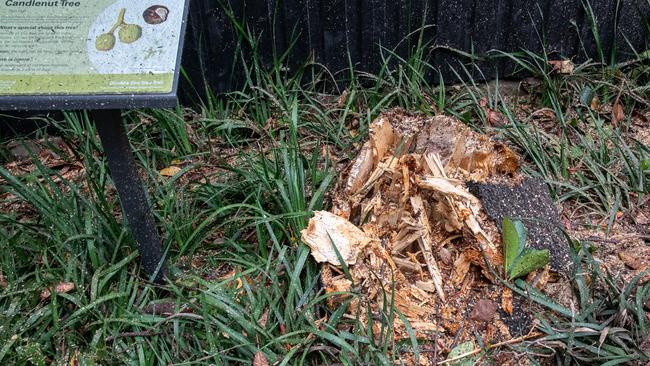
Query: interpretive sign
point(90, 47)
point(102, 56)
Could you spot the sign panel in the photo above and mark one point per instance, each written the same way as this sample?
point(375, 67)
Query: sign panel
point(89, 47)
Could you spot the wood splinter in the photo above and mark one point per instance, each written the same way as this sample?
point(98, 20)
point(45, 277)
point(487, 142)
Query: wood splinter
point(426, 243)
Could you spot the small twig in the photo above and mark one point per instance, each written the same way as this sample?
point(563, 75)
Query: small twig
point(496, 345)
point(180, 315)
point(603, 240)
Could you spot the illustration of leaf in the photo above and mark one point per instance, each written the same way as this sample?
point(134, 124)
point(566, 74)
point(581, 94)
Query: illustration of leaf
point(514, 241)
point(528, 261)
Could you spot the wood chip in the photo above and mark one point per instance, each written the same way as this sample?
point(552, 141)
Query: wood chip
point(426, 244)
point(506, 301)
point(326, 230)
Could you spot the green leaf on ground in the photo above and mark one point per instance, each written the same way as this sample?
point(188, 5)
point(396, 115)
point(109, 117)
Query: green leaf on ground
point(462, 349)
point(528, 261)
point(514, 240)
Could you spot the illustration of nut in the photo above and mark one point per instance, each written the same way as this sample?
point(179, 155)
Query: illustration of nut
point(155, 14)
point(105, 42)
point(130, 33)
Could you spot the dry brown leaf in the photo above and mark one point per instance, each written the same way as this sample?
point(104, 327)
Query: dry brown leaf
point(61, 288)
point(618, 114)
point(595, 103)
point(634, 262)
point(264, 319)
point(260, 359)
point(562, 66)
point(64, 287)
point(3, 281)
point(495, 118)
point(170, 171)
point(484, 310)
point(326, 230)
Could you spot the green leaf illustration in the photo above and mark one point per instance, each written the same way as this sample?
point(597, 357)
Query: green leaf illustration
point(514, 241)
point(528, 261)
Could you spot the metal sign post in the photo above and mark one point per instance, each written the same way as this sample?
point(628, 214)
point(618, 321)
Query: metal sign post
point(102, 56)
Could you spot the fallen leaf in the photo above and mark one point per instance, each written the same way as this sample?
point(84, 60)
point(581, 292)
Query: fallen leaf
point(170, 171)
point(618, 114)
point(562, 66)
point(62, 287)
point(484, 310)
point(634, 262)
point(495, 118)
point(326, 231)
point(595, 103)
point(260, 359)
point(264, 319)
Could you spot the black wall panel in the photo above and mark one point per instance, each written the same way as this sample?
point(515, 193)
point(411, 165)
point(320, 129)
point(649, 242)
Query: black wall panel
point(329, 30)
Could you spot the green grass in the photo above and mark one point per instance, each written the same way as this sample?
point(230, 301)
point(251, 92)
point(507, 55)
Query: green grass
point(253, 168)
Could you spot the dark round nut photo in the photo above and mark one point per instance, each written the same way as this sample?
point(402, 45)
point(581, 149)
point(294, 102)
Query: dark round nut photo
point(155, 14)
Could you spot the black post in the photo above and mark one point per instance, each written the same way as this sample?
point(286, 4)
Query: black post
point(132, 194)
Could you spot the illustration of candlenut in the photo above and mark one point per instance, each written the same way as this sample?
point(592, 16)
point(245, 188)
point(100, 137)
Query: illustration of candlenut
point(105, 42)
point(128, 33)
point(155, 14)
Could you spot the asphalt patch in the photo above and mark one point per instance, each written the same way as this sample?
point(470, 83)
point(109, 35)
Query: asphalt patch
point(529, 202)
point(520, 322)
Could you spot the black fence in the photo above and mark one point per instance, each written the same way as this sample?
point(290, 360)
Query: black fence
point(330, 30)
